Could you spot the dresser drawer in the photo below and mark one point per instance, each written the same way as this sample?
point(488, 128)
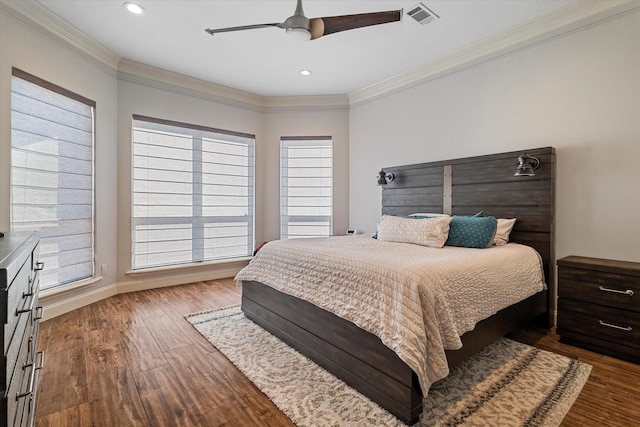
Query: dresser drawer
point(18, 298)
point(20, 314)
point(29, 410)
point(21, 352)
point(618, 326)
point(26, 318)
point(26, 409)
point(603, 288)
point(17, 395)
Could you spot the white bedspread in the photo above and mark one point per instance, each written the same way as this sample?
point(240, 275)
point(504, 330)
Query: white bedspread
point(418, 300)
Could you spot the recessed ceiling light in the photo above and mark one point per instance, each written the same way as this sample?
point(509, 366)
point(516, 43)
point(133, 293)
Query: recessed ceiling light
point(134, 8)
point(305, 72)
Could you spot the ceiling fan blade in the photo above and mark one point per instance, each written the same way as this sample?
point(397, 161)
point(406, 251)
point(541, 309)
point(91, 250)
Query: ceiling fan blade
point(334, 24)
point(213, 31)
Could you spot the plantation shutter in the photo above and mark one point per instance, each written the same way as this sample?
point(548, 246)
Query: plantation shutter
point(52, 185)
point(306, 186)
point(192, 193)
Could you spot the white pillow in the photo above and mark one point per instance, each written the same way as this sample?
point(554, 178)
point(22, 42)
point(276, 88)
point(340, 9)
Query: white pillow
point(431, 232)
point(431, 215)
point(502, 232)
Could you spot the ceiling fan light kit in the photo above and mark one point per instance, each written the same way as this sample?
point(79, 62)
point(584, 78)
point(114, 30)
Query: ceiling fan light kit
point(299, 27)
point(299, 34)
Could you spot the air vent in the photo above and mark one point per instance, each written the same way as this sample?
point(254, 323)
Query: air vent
point(422, 14)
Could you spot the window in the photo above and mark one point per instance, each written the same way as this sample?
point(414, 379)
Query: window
point(52, 137)
point(306, 186)
point(192, 193)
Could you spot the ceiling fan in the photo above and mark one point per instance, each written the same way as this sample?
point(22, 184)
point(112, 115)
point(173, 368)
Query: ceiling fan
point(300, 27)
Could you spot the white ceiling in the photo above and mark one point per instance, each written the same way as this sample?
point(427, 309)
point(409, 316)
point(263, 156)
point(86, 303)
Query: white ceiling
point(170, 35)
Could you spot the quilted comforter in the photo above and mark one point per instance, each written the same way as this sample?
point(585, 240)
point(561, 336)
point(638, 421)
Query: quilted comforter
point(418, 300)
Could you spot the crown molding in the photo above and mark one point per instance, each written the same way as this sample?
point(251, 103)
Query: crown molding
point(148, 75)
point(312, 102)
point(562, 21)
point(40, 18)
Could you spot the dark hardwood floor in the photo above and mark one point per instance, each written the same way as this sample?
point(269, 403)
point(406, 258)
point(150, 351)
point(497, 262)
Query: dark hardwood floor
point(132, 360)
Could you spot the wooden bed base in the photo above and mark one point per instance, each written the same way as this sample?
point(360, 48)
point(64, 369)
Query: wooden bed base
point(360, 358)
point(457, 187)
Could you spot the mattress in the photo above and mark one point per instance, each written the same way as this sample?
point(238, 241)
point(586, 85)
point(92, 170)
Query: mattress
point(418, 300)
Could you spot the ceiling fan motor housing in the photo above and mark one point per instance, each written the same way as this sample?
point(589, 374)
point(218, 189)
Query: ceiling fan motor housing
point(297, 22)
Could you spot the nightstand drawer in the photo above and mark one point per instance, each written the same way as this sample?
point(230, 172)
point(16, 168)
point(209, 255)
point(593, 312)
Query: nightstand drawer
point(603, 288)
point(618, 326)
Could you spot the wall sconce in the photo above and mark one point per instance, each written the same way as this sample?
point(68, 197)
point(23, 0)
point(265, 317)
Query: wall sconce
point(527, 165)
point(385, 178)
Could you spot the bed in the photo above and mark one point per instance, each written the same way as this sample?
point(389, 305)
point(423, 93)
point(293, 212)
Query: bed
point(458, 187)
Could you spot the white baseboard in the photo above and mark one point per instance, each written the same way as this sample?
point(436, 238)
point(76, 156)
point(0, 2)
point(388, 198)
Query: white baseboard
point(163, 282)
point(79, 299)
point(75, 301)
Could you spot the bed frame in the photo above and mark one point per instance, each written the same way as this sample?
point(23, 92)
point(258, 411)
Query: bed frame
point(458, 187)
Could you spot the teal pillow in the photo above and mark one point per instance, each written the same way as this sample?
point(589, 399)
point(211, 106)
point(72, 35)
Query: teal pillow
point(472, 231)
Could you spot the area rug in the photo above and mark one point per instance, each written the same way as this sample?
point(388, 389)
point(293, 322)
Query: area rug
point(507, 384)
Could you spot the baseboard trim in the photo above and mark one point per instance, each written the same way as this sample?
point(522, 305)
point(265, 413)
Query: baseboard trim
point(149, 283)
point(57, 307)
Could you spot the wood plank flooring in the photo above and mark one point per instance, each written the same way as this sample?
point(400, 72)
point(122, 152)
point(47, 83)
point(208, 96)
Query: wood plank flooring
point(132, 360)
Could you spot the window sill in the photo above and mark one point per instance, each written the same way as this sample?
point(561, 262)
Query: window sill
point(189, 267)
point(57, 290)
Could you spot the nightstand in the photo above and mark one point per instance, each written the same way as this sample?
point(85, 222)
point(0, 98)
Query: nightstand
point(599, 305)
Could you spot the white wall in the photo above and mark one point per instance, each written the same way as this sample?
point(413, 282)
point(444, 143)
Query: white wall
point(136, 98)
point(30, 51)
point(334, 123)
point(579, 93)
point(117, 98)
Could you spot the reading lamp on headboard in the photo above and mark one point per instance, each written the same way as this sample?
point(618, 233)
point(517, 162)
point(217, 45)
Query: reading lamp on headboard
point(527, 165)
point(385, 178)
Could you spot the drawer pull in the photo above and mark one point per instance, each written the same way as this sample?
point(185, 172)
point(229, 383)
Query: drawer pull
point(32, 376)
point(39, 266)
point(39, 312)
point(20, 311)
point(615, 291)
point(41, 364)
point(622, 328)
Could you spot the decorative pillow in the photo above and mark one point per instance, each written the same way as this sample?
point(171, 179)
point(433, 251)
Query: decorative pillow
point(426, 232)
point(472, 231)
point(503, 230)
point(426, 215)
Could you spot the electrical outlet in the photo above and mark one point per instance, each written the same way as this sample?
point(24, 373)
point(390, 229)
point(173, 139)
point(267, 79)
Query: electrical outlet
point(103, 269)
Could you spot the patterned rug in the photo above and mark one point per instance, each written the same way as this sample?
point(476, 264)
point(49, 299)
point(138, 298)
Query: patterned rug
point(507, 384)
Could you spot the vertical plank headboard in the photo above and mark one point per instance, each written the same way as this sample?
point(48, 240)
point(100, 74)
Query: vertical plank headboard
point(484, 183)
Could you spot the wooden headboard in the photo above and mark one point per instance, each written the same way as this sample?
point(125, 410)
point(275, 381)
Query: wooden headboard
point(484, 183)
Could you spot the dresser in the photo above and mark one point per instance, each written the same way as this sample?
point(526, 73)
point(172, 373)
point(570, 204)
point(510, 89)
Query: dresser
point(599, 305)
point(20, 313)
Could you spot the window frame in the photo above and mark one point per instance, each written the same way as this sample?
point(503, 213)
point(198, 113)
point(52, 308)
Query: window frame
point(197, 254)
point(285, 219)
point(58, 90)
